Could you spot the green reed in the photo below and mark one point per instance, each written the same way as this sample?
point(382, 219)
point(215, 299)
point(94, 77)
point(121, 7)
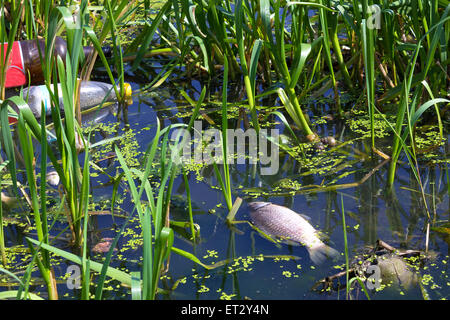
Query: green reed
point(267, 52)
point(22, 292)
point(300, 52)
point(200, 14)
point(157, 235)
point(68, 133)
point(155, 254)
point(249, 72)
point(407, 55)
point(66, 73)
point(332, 19)
point(4, 201)
point(367, 39)
point(347, 266)
point(225, 180)
point(7, 38)
point(323, 15)
point(105, 22)
point(27, 128)
point(411, 110)
point(154, 217)
point(74, 179)
point(2, 234)
point(38, 199)
point(8, 31)
point(189, 200)
point(75, 183)
point(348, 281)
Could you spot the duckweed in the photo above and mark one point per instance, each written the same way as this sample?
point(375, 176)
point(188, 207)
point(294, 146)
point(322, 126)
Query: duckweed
point(359, 123)
point(224, 296)
point(203, 289)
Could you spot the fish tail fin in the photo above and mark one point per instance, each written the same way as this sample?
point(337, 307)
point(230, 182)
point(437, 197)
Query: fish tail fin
point(320, 253)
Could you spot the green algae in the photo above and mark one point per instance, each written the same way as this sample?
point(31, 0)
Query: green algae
point(359, 123)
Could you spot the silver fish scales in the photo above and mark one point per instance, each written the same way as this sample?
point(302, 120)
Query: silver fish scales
point(282, 222)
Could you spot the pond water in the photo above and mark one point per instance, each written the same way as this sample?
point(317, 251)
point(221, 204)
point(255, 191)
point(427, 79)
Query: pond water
point(257, 268)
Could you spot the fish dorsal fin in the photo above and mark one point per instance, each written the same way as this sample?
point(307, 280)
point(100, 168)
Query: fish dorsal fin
point(257, 206)
point(306, 217)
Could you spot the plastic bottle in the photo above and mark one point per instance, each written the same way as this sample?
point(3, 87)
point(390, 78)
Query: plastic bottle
point(92, 94)
point(24, 59)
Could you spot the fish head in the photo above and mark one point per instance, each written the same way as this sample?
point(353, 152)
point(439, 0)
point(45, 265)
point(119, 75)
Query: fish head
point(257, 205)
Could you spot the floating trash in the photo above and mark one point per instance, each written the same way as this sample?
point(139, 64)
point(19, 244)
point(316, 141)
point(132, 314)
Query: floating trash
point(92, 93)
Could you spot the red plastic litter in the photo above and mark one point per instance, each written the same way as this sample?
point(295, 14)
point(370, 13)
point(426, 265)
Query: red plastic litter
point(15, 73)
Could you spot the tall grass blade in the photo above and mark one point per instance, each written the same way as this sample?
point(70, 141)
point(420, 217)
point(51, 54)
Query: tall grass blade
point(248, 80)
point(149, 32)
point(368, 53)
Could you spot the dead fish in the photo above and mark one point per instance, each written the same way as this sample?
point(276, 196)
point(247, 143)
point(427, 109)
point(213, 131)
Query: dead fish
point(282, 222)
